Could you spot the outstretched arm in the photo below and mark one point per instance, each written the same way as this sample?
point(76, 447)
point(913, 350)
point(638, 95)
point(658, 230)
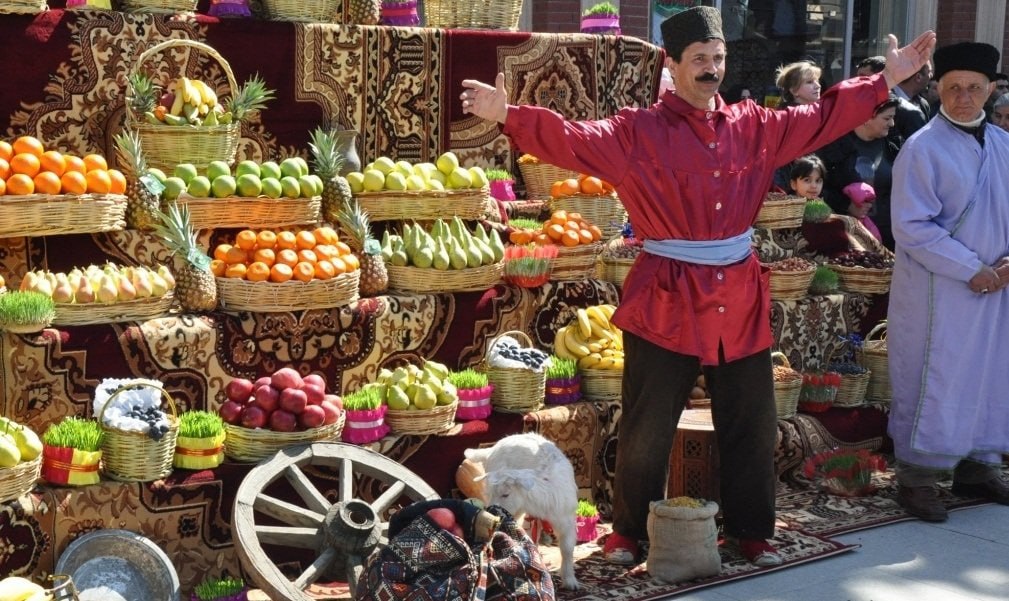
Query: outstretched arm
point(485, 101)
point(902, 63)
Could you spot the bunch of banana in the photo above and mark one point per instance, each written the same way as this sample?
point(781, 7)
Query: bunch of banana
point(15, 588)
point(189, 102)
point(591, 339)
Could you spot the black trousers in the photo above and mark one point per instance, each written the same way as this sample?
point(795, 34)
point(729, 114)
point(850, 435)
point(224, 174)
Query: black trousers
point(656, 385)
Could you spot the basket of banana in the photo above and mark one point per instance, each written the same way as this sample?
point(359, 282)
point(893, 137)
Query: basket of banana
point(186, 123)
point(598, 347)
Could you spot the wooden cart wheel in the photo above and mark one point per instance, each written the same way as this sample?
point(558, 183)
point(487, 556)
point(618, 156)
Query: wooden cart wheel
point(342, 533)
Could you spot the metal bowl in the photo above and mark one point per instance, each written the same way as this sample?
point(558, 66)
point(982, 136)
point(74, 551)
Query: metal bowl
point(106, 563)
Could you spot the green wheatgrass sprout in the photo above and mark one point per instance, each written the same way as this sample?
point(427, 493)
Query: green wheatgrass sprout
point(366, 399)
point(586, 509)
point(498, 174)
point(561, 368)
point(825, 280)
point(603, 8)
point(468, 378)
point(75, 433)
point(816, 211)
point(200, 424)
point(525, 224)
point(28, 307)
point(219, 588)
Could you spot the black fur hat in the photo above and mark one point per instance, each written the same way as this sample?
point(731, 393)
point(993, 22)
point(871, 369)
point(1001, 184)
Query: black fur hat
point(967, 56)
point(692, 25)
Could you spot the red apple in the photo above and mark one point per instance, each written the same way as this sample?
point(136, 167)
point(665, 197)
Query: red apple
point(443, 516)
point(267, 398)
point(316, 379)
point(166, 100)
point(332, 412)
point(283, 421)
point(293, 400)
point(230, 412)
point(253, 417)
point(286, 377)
point(312, 417)
point(261, 381)
point(314, 392)
point(334, 400)
point(239, 390)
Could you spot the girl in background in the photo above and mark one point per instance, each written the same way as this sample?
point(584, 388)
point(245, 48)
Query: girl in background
point(805, 177)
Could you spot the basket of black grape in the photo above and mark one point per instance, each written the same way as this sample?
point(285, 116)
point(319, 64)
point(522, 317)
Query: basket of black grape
point(863, 271)
point(200, 444)
point(517, 371)
point(854, 377)
point(140, 436)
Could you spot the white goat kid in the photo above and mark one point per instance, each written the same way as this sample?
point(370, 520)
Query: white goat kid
point(528, 474)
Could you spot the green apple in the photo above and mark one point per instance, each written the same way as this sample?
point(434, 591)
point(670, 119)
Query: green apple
point(447, 162)
point(356, 181)
point(199, 187)
point(374, 180)
point(404, 167)
point(271, 187)
point(302, 165)
point(248, 167)
point(307, 185)
point(290, 167)
point(173, 187)
point(416, 182)
point(270, 169)
point(319, 184)
point(158, 174)
point(395, 181)
point(290, 186)
point(216, 169)
point(185, 171)
point(478, 176)
point(223, 186)
point(385, 165)
point(435, 185)
point(249, 185)
point(437, 176)
point(460, 179)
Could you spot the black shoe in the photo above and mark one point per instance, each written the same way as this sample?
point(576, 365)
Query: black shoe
point(922, 502)
point(996, 490)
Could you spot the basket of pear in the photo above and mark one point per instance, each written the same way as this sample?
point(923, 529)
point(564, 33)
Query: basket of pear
point(448, 258)
point(420, 400)
point(26, 312)
point(200, 444)
point(598, 347)
point(396, 190)
point(72, 452)
point(20, 459)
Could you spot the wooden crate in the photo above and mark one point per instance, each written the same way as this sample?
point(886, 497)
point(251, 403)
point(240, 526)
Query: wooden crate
point(693, 461)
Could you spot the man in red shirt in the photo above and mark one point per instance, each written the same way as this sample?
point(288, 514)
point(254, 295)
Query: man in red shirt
point(692, 172)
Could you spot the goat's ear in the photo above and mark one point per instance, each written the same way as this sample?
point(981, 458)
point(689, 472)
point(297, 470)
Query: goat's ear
point(494, 478)
point(481, 477)
point(525, 478)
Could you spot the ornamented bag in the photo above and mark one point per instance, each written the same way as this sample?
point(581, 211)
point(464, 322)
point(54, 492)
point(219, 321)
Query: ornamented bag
point(425, 562)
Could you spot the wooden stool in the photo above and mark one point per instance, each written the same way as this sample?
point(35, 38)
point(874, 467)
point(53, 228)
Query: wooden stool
point(693, 461)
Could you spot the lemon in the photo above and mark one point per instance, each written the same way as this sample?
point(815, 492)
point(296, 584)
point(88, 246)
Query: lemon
point(447, 162)
point(395, 181)
point(356, 181)
point(385, 165)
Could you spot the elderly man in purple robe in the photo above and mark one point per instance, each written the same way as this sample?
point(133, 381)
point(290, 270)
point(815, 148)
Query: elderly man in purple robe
point(948, 337)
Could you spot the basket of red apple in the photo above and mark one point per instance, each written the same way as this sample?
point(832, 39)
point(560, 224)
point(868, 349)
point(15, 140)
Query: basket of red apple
point(277, 411)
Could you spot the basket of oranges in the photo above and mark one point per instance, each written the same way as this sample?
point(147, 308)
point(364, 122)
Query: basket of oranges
point(593, 199)
point(539, 177)
point(268, 271)
point(578, 243)
point(45, 192)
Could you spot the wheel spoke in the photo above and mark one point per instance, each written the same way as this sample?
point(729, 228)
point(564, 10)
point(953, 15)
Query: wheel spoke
point(312, 572)
point(391, 494)
point(314, 499)
point(302, 538)
point(355, 567)
point(289, 513)
point(346, 479)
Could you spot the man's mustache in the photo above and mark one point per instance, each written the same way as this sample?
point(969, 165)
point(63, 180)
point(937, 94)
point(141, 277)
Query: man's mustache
point(707, 77)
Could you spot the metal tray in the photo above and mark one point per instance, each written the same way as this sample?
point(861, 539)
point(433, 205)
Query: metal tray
point(107, 563)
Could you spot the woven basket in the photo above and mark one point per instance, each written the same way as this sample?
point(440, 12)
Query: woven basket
point(263, 297)
point(247, 444)
point(865, 280)
point(158, 6)
point(780, 211)
point(575, 263)
point(44, 215)
point(602, 384)
point(473, 14)
point(165, 146)
point(141, 309)
point(420, 205)
point(135, 456)
point(427, 421)
point(873, 356)
point(23, 7)
point(516, 389)
point(613, 271)
point(262, 212)
point(786, 393)
point(790, 285)
point(540, 177)
point(604, 211)
point(432, 281)
point(328, 11)
point(851, 392)
point(20, 479)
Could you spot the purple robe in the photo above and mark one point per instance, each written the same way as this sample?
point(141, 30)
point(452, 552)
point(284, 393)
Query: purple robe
point(948, 347)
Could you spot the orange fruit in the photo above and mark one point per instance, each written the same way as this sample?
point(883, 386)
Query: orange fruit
point(324, 270)
point(575, 217)
point(246, 240)
point(5, 169)
point(542, 239)
point(3, 190)
point(325, 251)
point(221, 251)
point(47, 182)
point(287, 240)
point(266, 239)
point(257, 272)
point(608, 187)
point(307, 256)
point(6, 150)
point(339, 265)
point(305, 239)
point(520, 237)
point(555, 231)
point(326, 235)
point(94, 161)
point(570, 187)
point(235, 255)
point(265, 255)
point(52, 160)
point(560, 217)
point(597, 234)
point(304, 271)
point(585, 236)
point(591, 185)
point(217, 267)
point(556, 190)
point(118, 181)
point(342, 248)
point(236, 270)
point(570, 238)
point(25, 163)
point(20, 184)
point(287, 257)
point(74, 163)
point(29, 145)
point(99, 181)
point(572, 225)
point(351, 260)
point(280, 273)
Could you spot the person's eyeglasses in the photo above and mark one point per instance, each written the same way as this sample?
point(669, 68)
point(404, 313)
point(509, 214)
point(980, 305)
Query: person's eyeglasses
point(1002, 86)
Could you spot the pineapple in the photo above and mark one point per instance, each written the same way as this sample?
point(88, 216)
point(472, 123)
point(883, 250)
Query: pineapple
point(195, 286)
point(143, 96)
point(250, 96)
point(141, 204)
point(356, 230)
point(328, 163)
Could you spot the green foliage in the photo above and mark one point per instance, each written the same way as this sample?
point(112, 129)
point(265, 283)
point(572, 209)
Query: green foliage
point(525, 224)
point(603, 8)
point(816, 211)
point(219, 588)
point(75, 433)
point(200, 424)
point(468, 378)
point(28, 307)
point(561, 368)
point(825, 281)
point(498, 174)
point(366, 399)
point(586, 509)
